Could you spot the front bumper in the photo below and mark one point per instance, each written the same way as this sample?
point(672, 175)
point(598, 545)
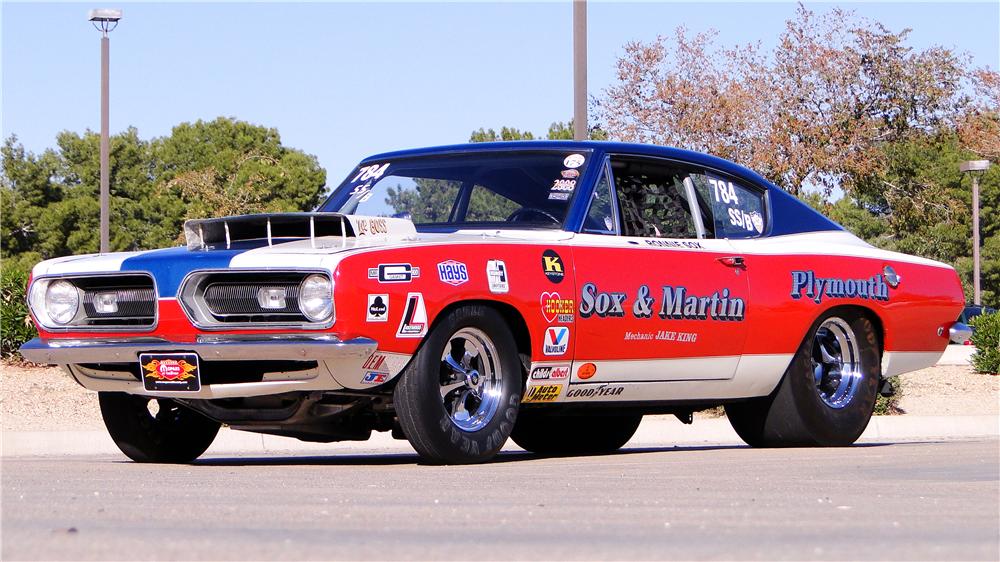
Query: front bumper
point(210, 348)
point(337, 362)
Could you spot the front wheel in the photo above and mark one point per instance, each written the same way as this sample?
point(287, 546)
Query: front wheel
point(458, 399)
point(152, 430)
point(827, 395)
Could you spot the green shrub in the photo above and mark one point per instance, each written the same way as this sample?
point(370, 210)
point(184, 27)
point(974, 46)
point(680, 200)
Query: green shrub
point(889, 405)
point(15, 323)
point(986, 338)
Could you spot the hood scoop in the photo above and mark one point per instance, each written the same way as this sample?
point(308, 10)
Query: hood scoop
point(323, 230)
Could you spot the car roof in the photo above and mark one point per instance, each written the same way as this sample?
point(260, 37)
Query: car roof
point(603, 146)
point(789, 214)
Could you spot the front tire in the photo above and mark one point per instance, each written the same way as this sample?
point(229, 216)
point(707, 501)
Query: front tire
point(458, 399)
point(827, 395)
point(173, 434)
point(573, 435)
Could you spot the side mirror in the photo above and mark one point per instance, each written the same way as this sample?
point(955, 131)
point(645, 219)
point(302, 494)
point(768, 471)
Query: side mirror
point(959, 332)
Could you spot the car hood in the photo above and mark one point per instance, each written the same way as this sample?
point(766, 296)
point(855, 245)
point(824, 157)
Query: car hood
point(244, 231)
point(276, 241)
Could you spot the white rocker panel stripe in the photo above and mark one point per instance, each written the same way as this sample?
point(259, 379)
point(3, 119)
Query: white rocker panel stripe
point(899, 362)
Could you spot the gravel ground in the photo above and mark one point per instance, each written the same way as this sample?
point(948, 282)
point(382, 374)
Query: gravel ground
point(47, 399)
point(950, 391)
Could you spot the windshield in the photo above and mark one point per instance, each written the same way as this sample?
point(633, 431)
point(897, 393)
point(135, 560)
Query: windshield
point(479, 189)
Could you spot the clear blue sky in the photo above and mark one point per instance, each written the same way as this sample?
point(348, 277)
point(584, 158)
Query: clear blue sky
point(343, 80)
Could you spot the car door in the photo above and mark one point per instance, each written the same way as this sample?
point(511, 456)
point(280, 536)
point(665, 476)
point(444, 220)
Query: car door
point(659, 297)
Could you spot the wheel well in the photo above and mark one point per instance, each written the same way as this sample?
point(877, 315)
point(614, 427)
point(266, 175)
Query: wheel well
point(866, 313)
point(518, 327)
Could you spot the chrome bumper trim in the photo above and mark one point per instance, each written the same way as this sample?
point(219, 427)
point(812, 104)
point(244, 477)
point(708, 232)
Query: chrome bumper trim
point(215, 348)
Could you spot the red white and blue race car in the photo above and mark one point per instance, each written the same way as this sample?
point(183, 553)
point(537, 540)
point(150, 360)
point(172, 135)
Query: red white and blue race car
point(550, 292)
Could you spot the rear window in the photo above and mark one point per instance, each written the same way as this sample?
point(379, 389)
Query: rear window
point(737, 209)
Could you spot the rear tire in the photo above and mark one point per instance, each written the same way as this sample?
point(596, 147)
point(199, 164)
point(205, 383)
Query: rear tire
point(458, 399)
point(573, 435)
point(174, 434)
point(827, 395)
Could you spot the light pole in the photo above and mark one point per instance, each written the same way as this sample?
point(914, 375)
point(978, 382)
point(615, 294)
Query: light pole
point(105, 20)
point(580, 69)
point(975, 168)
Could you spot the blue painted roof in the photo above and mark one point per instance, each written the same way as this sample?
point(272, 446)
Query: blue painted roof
point(789, 215)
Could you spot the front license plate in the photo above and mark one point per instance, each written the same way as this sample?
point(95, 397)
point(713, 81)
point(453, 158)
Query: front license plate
point(176, 372)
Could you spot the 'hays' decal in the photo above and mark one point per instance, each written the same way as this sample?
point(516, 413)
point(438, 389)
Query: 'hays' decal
point(815, 288)
point(453, 272)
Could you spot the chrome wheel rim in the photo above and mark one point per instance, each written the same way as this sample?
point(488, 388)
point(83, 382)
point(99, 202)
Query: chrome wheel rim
point(836, 362)
point(471, 379)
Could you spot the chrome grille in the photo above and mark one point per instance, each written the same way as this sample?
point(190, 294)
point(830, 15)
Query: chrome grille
point(133, 303)
point(215, 300)
point(134, 298)
point(229, 299)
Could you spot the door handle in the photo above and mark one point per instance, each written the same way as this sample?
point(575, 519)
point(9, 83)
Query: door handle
point(733, 261)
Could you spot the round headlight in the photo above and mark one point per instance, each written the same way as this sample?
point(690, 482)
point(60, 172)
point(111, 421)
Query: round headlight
point(62, 301)
point(316, 298)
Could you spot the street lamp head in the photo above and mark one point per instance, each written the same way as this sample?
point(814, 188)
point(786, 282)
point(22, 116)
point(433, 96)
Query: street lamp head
point(974, 166)
point(104, 19)
point(104, 14)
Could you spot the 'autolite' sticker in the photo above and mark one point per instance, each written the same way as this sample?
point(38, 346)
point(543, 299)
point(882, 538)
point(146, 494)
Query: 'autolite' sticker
point(414, 322)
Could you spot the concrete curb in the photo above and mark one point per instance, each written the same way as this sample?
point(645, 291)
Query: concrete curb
point(655, 431)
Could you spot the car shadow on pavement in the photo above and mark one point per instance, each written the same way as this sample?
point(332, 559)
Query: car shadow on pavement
point(389, 459)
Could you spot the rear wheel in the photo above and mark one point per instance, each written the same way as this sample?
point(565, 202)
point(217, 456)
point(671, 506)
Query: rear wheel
point(458, 399)
point(156, 430)
point(828, 392)
point(573, 435)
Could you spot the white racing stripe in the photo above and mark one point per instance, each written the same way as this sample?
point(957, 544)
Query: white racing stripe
point(87, 263)
point(756, 375)
point(273, 258)
point(653, 370)
point(827, 243)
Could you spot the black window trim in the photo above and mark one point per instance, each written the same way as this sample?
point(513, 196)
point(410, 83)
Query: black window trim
point(605, 168)
point(696, 206)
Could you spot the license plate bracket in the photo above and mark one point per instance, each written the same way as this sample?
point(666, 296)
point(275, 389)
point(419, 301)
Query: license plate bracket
point(173, 372)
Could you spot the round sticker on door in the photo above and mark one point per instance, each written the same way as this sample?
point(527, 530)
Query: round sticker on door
point(573, 161)
point(586, 371)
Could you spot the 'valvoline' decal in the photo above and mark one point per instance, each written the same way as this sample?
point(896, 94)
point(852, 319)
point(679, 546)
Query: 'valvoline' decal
point(556, 340)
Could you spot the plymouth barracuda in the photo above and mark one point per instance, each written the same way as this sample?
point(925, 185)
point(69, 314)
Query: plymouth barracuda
point(552, 293)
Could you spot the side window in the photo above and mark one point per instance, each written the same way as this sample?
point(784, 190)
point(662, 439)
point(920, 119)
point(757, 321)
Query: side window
point(652, 199)
point(601, 216)
point(737, 210)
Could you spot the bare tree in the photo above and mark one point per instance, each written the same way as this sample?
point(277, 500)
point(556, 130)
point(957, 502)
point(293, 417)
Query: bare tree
point(816, 111)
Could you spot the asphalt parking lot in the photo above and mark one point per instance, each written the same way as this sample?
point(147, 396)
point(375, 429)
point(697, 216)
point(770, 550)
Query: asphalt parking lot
point(929, 501)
